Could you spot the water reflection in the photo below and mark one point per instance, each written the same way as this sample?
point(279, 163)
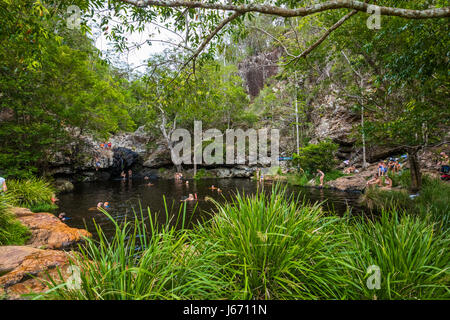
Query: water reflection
point(126, 197)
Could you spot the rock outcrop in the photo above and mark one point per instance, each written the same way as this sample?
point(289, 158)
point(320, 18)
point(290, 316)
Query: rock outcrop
point(84, 160)
point(158, 157)
point(63, 185)
point(136, 141)
point(23, 268)
point(255, 70)
point(47, 231)
point(123, 160)
point(354, 182)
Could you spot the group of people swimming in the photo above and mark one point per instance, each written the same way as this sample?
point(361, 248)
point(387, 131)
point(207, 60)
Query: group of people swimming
point(178, 176)
point(100, 205)
point(215, 188)
point(193, 197)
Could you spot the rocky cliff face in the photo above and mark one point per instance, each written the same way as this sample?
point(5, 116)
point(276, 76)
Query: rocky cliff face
point(91, 162)
point(255, 70)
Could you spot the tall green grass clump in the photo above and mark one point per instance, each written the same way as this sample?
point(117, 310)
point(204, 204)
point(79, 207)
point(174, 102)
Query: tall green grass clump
point(12, 232)
point(277, 248)
point(412, 258)
point(30, 192)
point(432, 202)
point(263, 246)
point(142, 260)
point(401, 179)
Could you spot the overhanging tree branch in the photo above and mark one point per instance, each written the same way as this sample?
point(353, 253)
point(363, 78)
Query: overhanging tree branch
point(206, 41)
point(326, 34)
point(297, 12)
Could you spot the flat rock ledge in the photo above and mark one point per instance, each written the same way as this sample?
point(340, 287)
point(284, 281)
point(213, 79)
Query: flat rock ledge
point(47, 231)
point(23, 268)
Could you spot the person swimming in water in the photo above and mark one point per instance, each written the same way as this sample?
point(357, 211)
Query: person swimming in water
point(62, 216)
point(149, 184)
point(190, 198)
point(54, 198)
point(99, 205)
point(212, 187)
point(106, 205)
point(218, 190)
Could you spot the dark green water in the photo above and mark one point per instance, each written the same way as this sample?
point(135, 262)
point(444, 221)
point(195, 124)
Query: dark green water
point(124, 196)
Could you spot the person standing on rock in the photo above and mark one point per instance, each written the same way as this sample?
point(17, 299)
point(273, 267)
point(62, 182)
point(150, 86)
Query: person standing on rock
point(3, 185)
point(322, 175)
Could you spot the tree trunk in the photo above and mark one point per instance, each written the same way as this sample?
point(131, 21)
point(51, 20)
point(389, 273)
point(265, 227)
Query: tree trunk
point(416, 176)
point(167, 136)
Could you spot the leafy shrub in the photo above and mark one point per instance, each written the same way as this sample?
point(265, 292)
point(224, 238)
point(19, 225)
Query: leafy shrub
point(30, 192)
point(202, 173)
point(401, 179)
point(12, 232)
point(299, 179)
point(317, 156)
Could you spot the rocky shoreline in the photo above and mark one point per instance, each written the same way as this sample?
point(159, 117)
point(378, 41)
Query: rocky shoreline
point(22, 268)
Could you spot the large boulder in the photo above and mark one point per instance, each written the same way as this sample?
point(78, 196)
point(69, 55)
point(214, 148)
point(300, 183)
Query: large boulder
point(241, 172)
point(19, 264)
point(355, 182)
point(223, 172)
point(63, 185)
point(158, 157)
point(256, 70)
point(136, 141)
point(348, 183)
point(48, 231)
